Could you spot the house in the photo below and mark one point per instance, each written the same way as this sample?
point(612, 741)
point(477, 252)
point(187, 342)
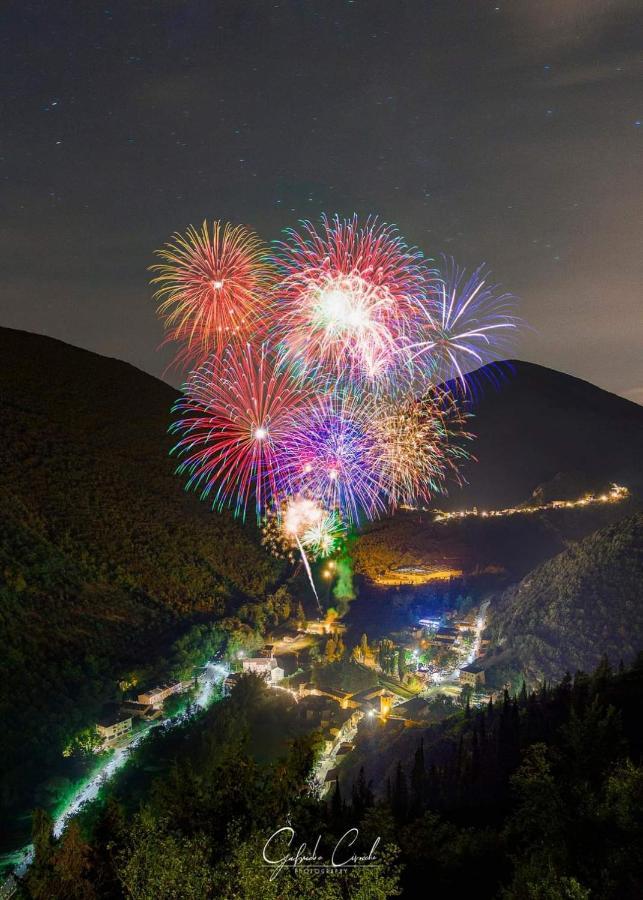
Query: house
point(140, 710)
point(231, 682)
point(331, 778)
point(344, 699)
point(444, 637)
point(157, 695)
point(113, 728)
point(265, 666)
point(472, 674)
point(344, 749)
point(465, 623)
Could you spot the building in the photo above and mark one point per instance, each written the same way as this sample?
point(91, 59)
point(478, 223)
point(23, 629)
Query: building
point(265, 666)
point(445, 637)
point(472, 674)
point(323, 626)
point(140, 710)
point(344, 749)
point(465, 623)
point(386, 703)
point(157, 695)
point(330, 779)
point(113, 728)
point(231, 682)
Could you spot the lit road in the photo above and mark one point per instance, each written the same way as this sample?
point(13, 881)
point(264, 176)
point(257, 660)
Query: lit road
point(214, 673)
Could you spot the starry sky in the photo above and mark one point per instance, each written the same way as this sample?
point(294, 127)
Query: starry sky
point(503, 132)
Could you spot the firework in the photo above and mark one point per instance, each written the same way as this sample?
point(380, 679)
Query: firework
point(322, 537)
point(466, 322)
point(211, 289)
point(347, 297)
point(318, 530)
point(232, 420)
point(323, 427)
point(326, 455)
point(417, 445)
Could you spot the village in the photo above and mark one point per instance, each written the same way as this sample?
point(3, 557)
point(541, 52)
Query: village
point(438, 657)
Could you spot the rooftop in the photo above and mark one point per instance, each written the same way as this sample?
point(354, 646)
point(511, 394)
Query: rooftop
point(473, 667)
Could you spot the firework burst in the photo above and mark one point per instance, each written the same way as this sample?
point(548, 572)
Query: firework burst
point(347, 298)
point(232, 421)
point(323, 427)
point(211, 289)
point(322, 537)
point(417, 445)
point(466, 323)
point(326, 455)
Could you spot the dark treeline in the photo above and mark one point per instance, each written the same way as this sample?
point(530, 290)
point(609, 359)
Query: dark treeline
point(573, 608)
point(200, 827)
point(104, 560)
point(539, 796)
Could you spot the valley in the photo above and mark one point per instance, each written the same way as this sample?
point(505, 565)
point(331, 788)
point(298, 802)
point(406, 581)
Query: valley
point(115, 580)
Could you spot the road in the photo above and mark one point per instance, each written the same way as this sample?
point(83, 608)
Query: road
point(214, 672)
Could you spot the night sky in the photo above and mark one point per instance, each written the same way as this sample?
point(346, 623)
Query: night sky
point(504, 132)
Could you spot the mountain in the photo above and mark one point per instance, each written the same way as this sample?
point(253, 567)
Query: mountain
point(531, 424)
point(104, 559)
point(411, 547)
point(568, 612)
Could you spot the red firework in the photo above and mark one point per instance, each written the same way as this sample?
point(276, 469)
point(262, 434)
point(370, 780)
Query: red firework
point(348, 297)
point(211, 289)
point(232, 421)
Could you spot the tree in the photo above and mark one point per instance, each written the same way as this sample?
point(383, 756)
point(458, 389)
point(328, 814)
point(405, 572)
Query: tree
point(362, 795)
point(400, 794)
point(42, 836)
point(418, 781)
point(72, 864)
point(401, 663)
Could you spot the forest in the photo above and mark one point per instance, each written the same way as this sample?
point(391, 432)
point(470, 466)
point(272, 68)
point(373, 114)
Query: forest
point(535, 796)
point(104, 561)
point(573, 608)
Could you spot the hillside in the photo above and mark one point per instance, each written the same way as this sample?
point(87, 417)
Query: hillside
point(103, 557)
point(567, 613)
point(503, 548)
point(532, 423)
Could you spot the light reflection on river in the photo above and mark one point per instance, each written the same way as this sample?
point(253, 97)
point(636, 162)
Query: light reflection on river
point(214, 673)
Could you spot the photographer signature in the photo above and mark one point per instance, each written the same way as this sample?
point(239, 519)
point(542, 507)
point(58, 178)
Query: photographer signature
point(340, 858)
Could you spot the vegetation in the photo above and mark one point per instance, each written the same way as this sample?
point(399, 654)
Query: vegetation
point(200, 827)
point(539, 796)
point(573, 608)
point(104, 560)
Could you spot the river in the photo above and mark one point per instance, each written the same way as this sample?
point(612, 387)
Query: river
point(214, 673)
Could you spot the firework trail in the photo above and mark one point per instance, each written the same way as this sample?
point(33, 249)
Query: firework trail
point(323, 536)
point(468, 321)
point(309, 572)
point(300, 514)
point(231, 422)
point(211, 289)
point(347, 297)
